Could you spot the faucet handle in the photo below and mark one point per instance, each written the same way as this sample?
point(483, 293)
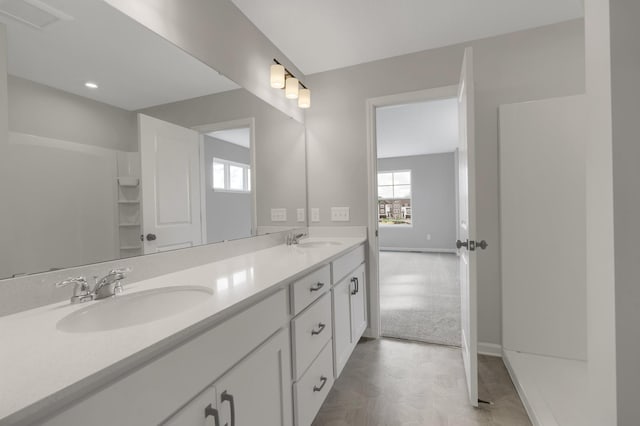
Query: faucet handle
point(82, 281)
point(121, 270)
point(81, 289)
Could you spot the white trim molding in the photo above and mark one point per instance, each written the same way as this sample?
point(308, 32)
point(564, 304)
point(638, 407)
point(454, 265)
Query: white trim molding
point(490, 349)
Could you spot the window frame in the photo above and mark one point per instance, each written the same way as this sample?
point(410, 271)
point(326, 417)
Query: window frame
point(393, 185)
point(246, 176)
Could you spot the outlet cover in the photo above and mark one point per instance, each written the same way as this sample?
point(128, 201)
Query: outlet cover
point(300, 213)
point(278, 215)
point(315, 214)
point(340, 214)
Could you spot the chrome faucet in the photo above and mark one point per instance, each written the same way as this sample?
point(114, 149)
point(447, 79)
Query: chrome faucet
point(107, 286)
point(81, 290)
point(294, 238)
point(110, 285)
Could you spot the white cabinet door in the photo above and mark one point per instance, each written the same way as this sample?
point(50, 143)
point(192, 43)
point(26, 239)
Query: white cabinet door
point(358, 303)
point(341, 298)
point(201, 411)
point(258, 390)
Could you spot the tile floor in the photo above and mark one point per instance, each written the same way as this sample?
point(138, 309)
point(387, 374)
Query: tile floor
point(390, 382)
point(420, 296)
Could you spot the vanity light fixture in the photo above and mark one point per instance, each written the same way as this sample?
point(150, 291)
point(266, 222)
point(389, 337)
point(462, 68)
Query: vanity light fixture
point(291, 88)
point(277, 76)
point(282, 78)
point(304, 98)
point(91, 85)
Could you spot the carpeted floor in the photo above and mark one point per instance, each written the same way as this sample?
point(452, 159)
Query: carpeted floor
point(420, 296)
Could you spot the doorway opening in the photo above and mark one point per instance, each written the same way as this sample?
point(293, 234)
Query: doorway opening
point(416, 145)
point(227, 180)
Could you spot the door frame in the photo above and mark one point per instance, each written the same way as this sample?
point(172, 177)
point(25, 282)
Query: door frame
point(374, 328)
point(249, 122)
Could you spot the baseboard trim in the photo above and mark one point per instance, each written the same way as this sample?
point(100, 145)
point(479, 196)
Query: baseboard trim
point(419, 250)
point(490, 349)
point(524, 397)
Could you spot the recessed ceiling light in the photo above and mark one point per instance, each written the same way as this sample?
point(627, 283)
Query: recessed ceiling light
point(91, 85)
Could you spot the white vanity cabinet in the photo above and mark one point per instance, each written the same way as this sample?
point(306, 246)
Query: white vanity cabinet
point(349, 305)
point(253, 392)
point(241, 367)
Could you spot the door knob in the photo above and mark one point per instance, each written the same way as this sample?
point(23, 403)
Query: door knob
point(482, 244)
point(460, 244)
point(151, 237)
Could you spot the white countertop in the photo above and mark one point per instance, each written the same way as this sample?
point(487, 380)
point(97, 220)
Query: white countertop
point(41, 366)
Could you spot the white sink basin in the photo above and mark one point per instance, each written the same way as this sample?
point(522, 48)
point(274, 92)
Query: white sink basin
point(312, 244)
point(133, 309)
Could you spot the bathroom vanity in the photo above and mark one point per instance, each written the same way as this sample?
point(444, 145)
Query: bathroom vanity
point(262, 344)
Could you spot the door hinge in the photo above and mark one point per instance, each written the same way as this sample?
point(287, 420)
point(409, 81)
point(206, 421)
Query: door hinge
point(376, 232)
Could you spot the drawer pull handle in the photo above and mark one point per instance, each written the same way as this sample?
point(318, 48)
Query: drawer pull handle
point(323, 381)
point(210, 411)
point(321, 327)
point(227, 397)
point(317, 287)
point(356, 286)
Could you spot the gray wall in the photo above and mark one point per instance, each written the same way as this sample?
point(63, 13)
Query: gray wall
point(36, 109)
point(535, 64)
point(279, 146)
point(228, 214)
point(625, 95)
point(433, 203)
point(218, 33)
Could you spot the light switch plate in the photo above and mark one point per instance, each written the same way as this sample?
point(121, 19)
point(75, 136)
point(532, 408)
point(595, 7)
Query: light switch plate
point(339, 214)
point(300, 213)
point(315, 214)
point(278, 215)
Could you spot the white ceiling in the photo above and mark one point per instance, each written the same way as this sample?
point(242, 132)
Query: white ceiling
point(241, 136)
point(133, 67)
point(417, 128)
point(328, 34)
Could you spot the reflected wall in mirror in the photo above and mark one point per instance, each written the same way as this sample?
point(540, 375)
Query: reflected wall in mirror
point(164, 153)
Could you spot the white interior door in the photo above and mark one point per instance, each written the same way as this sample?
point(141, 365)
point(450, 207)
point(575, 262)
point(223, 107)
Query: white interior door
point(170, 185)
point(466, 205)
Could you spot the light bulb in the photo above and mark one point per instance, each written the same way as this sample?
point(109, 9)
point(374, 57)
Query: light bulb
point(291, 88)
point(304, 98)
point(277, 76)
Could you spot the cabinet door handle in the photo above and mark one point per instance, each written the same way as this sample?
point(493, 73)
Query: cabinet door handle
point(210, 411)
point(317, 287)
point(225, 396)
point(323, 381)
point(321, 327)
point(356, 286)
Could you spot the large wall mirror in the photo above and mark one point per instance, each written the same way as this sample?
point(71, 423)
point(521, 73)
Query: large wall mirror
point(121, 144)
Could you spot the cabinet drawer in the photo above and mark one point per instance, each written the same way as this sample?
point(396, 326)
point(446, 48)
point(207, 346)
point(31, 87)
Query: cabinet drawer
point(347, 263)
point(311, 331)
point(311, 391)
point(309, 288)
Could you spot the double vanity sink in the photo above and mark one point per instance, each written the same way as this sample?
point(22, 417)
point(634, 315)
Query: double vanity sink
point(57, 353)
